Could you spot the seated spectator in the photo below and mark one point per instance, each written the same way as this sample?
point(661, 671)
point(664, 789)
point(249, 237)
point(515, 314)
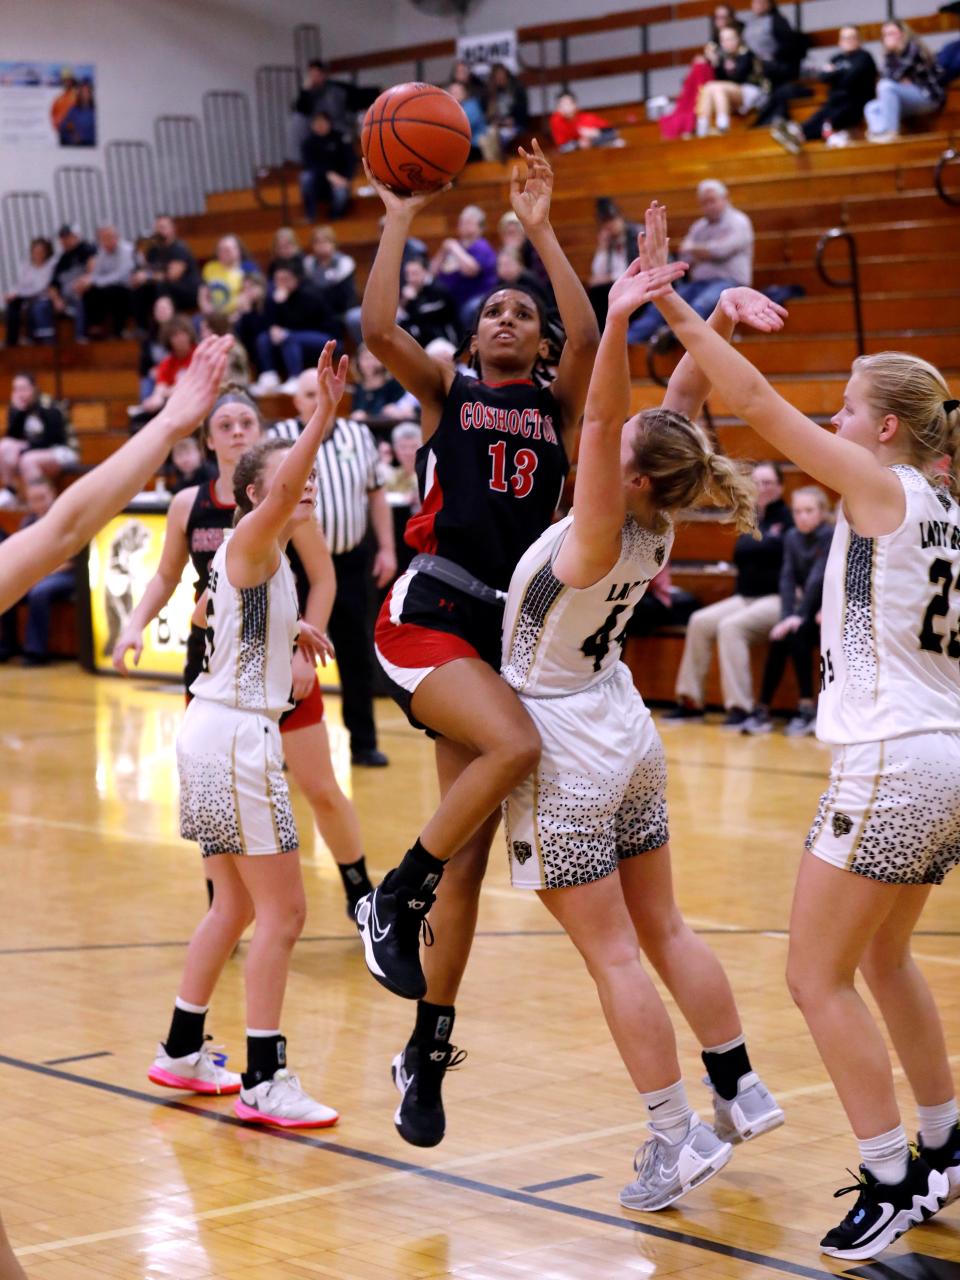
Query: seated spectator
point(507, 108)
point(248, 317)
point(222, 278)
point(511, 272)
point(41, 494)
point(180, 340)
point(738, 84)
point(30, 294)
point(37, 443)
point(719, 248)
point(285, 252)
point(187, 465)
point(333, 270)
point(512, 235)
point(78, 127)
point(805, 550)
point(745, 618)
point(426, 310)
point(317, 93)
point(238, 362)
point(413, 248)
point(682, 120)
point(616, 249)
point(463, 74)
point(375, 392)
point(104, 295)
point(153, 350)
point(852, 79)
point(298, 327)
point(466, 264)
point(169, 270)
point(910, 84)
point(402, 487)
point(573, 129)
point(483, 142)
point(769, 36)
point(328, 163)
point(456, 359)
point(75, 254)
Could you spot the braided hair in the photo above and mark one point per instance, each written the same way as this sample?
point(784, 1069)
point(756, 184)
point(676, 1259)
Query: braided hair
point(551, 331)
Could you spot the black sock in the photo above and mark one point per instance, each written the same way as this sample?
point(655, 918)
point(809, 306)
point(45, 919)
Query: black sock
point(186, 1033)
point(419, 871)
point(725, 1069)
point(356, 882)
point(266, 1055)
point(434, 1022)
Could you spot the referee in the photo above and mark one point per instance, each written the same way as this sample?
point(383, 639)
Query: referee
point(349, 493)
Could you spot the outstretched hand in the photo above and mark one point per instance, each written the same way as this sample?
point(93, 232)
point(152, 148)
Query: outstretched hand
point(638, 285)
point(331, 382)
point(198, 386)
point(654, 243)
point(409, 205)
point(530, 193)
point(746, 306)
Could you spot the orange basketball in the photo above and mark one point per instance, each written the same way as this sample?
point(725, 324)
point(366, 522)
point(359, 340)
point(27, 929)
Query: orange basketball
point(415, 137)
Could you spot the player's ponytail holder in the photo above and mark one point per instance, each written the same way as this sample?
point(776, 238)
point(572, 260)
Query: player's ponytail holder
point(950, 406)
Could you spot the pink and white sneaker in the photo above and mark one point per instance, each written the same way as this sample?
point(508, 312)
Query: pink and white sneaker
point(283, 1101)
point(200, 1072)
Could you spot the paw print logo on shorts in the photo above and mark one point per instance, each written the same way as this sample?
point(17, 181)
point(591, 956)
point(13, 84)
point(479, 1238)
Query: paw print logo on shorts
point(522, 851)
point(842, 825)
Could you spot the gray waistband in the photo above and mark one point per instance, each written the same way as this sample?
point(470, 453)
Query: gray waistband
point(451, 574)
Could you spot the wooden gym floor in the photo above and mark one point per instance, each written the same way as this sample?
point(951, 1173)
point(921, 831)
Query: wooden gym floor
point(104, 1176)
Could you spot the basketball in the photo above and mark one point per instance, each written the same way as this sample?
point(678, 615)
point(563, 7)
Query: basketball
point(415, 138)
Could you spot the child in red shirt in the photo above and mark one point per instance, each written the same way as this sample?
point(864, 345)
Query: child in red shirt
point(573, 129)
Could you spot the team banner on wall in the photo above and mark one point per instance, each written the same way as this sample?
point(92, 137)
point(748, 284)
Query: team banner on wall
point(480, 52)
point(48, 104)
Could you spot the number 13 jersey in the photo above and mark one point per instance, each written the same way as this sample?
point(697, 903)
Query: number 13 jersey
point(890, 630)
point(559, 640)
point(490, 476)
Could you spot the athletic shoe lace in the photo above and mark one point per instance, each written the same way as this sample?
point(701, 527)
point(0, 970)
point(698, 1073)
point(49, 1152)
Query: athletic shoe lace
point(412, 926)
point(647, 1157)
point(860, 1185)
point(430, 1079)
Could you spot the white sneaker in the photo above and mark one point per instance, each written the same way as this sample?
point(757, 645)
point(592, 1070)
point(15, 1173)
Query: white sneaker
point(267, 382)
point(289, 388)
point(752, 1112)
point(200, 1072)
point(890, 136)
point(668, 1170)
point(838, 139)
point(283, 1101)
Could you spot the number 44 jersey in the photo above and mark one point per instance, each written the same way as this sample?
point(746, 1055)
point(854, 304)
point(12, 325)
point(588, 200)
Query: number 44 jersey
point(559, 640)
point(890, 631)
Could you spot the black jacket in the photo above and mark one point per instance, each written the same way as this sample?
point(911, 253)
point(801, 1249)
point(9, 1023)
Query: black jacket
point(41, 424)
point(852, 77)
point(758, 562)
point(305, 310)
point(329, 153)
point(804, 564)
point(431, 314)
point(72, 262)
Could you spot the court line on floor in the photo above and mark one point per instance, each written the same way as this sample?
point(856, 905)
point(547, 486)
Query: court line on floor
point(400, 1167)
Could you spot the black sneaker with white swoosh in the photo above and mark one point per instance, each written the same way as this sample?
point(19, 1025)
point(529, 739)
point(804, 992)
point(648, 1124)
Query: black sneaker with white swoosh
point(418, 1073)
point(883, 1212)
point(391, 920)
point(945, 1158)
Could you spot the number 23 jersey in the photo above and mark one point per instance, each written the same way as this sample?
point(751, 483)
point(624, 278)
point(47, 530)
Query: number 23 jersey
point(890, 630)
point(490, 476)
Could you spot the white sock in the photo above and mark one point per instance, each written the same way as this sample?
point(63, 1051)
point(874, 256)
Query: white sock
point(703, 126)
point(727, 1045)
point(257, 1031)
point(187, 1007)
point(723, 120)
point(886, 1156)
point(937, 1123)
point(669, 1111)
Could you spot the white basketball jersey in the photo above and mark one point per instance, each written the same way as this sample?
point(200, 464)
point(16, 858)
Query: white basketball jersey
point(890, 633)
point(558, 639)
point(250, 635)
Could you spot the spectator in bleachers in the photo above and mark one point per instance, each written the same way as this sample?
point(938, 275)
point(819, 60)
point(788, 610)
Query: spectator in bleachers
point(616, 248)
point(682, 120)
point(298, 326)
point(508, 110)
point(797, 633)
point(169, 270)
point(216, 324)
point(104, 293)
point(187, 465)
point(413, 248)
point(573, 129)
point(402, 488)
point(426, 310)
point(248, 316)
point(738, 85)
point(38, 440)
point(466, 264)
point(743, 619)
point(41, 494)
point(483, 144)
point(75, 253)
point(153, 350)
point(719, 248)
point(376, 394)
point(511, 272)
point(770, 37)
point(78, 128)
point(512, 235)
point(328, 163)
point(222, 278)
point(179, 338)
point(285, 252)
point(852, 77)
point(462, 73)
point(30, 294)
point(317, 93)
point(333, 271)
point(910, 84)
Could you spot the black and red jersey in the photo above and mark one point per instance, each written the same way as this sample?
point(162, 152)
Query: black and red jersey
point(490, 476)
point(208, 520)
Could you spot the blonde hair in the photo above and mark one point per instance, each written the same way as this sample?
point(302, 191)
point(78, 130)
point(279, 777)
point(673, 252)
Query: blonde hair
point(249, 471)
point(916, 393)
point(814, 491)
point(683, 468)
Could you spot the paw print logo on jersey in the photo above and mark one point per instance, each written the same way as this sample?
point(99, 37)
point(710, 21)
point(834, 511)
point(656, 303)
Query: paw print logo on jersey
point(658, 556)
point(522, 851)
point(842, 825)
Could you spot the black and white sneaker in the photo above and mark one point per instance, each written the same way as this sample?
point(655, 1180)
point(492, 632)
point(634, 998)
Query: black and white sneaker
point(418, 1073)
point(884, 1212)
point(390, 920)
point(946, 1159)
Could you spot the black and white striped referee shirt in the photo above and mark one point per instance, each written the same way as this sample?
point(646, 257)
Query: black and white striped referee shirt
point(348, 469)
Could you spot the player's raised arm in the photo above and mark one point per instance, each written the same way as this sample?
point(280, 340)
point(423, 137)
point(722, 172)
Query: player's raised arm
point(87, 505)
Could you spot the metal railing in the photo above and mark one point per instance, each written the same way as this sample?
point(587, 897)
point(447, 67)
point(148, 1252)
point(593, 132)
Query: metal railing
point(277, 88)
point(26, 215)
point(132, 182)
point(948, 157)
point(181, 164)
point(228, 131)
point(853, 283)
point(80, 194)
